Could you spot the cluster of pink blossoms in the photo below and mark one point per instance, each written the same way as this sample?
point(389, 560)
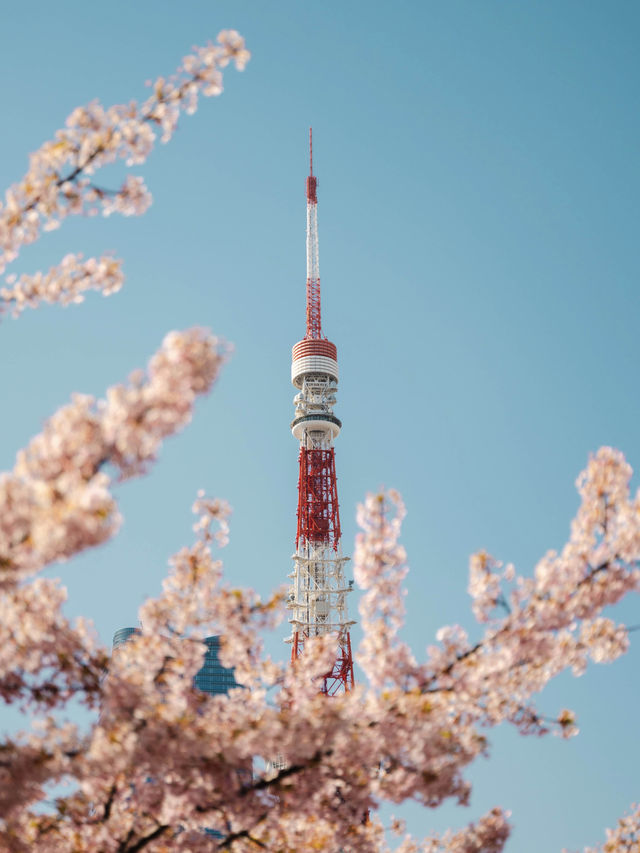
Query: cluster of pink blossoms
point(57, 499)
point(65, 283)
point(163, 761)
point(625, 838)
point(160, 762)
point(61, 182)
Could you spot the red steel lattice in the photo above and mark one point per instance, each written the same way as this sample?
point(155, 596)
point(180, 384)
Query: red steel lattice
point(318, 512)
point(314, 321)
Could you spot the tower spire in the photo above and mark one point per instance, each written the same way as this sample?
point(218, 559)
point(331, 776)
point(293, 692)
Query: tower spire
point(318, 593)
point(314, 320)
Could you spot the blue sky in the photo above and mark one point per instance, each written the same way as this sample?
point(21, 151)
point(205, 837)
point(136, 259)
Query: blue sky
point(478, 210)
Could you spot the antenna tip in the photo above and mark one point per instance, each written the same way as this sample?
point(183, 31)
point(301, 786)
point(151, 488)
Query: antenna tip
point(311, 180)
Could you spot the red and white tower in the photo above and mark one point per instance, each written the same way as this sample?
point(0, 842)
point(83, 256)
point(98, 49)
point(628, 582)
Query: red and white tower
point(318, 594)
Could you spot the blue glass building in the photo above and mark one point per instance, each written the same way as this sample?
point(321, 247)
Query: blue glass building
point(212, 678)
point(122, 635)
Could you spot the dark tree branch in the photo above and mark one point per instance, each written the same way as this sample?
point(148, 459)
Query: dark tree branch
point(141, 843)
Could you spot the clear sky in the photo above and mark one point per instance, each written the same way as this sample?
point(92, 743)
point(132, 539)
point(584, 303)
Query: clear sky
point(478, 209)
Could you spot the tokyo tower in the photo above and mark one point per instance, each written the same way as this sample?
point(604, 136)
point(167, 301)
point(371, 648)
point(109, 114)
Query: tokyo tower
point(318, 593)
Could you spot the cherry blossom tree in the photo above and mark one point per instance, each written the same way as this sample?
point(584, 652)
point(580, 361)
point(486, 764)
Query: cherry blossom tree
point(161, 761)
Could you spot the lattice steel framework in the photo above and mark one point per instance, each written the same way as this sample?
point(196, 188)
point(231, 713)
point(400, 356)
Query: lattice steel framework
point(318, 512)
point(319, 590)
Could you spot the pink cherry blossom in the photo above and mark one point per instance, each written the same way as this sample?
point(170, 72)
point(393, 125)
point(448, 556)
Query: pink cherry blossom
point(60, 181)
point(65, 283)
point(625, 838)
point(57, 500)
point(162, 761)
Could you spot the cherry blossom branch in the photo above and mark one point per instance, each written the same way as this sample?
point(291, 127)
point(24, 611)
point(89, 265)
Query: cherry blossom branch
point(126, 847)
point(57, 502)
point(228, 842)
point(44, 660)
point(488, 835)
point(550, 608)
point(65, 283)
point(94, 137)
point(625, 838)
point(555, 620)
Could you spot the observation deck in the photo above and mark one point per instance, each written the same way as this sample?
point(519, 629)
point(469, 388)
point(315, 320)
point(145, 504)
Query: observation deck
point(313, 356)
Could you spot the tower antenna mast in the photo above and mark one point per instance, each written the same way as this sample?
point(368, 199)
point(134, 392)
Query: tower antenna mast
point(314, 319)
